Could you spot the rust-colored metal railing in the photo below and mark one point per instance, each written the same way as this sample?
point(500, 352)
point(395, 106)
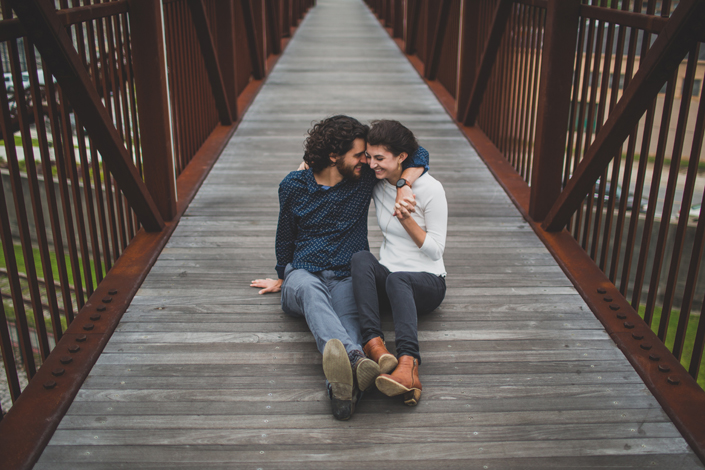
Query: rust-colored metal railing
point(99, 141)
point(590, 113)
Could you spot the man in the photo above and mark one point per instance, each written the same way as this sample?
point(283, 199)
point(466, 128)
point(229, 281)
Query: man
point(322, 223)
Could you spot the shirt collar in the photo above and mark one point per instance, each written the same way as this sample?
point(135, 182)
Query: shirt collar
point(311, 183)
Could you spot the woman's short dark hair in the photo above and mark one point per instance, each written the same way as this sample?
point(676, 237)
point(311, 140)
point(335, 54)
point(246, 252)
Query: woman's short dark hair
point(393, 136)
point(334, 135)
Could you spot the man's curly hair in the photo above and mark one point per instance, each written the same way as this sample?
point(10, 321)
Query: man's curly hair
point(334, 135)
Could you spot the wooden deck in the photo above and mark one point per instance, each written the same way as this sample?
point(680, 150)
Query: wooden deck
point(204, 373)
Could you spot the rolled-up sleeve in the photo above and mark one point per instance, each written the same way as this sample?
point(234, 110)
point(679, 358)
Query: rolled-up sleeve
point(420, 158)
point(436, 218)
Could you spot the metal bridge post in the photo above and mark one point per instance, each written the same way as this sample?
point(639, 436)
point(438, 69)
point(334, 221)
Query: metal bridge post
point(227, 55)
point(468, 54)
point(560, 39)
point(489, 55)
point(151, 83)
point(256, 55)
point(439, 30)
point(413, 12)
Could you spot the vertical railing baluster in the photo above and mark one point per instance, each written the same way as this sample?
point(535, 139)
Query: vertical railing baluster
point(645, 249)
point(8, 355)
point(676, 155)
point(20, 203)
point(42, 240)
point(54, 113)
point(8, 244)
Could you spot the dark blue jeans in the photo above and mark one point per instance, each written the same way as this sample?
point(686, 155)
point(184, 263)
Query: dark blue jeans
point(408, 294)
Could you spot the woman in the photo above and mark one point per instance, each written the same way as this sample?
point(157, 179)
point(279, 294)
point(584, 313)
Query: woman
point(410, 275)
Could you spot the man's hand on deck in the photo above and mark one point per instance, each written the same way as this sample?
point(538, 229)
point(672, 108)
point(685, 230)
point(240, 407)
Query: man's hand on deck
point(269, 285)
point(406, 198)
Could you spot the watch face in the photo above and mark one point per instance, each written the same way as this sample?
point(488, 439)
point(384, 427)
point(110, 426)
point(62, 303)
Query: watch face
point(401, 182)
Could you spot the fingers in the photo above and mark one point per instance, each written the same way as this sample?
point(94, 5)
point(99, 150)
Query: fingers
point(270, 289)
point(262, 282)
point(269, 285)
point(408, 205)
point(402, 211)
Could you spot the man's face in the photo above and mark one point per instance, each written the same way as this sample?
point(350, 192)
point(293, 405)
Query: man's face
point(350, 164)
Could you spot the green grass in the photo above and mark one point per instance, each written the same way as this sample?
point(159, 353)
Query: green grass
point(18, 142)
point(670, 337)
point(22, 164)
point(21, 267)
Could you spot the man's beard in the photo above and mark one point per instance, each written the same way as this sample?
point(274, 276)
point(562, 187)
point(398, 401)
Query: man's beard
point(347, 171)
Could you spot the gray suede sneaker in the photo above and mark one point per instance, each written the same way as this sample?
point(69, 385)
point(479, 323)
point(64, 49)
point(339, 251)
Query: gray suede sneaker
point(336, 367)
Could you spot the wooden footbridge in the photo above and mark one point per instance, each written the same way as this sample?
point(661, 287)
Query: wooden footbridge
point(537, 358)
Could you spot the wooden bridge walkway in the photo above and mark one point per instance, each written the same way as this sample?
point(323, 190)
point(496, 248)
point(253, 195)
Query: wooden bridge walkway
point(204, 373)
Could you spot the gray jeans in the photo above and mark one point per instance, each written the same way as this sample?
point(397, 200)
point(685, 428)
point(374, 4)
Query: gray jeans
point(327, 304)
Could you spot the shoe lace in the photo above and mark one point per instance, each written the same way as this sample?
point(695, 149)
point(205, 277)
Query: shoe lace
point(355, 355)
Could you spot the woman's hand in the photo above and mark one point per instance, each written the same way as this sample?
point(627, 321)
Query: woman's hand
point(303, 166)
point(269, 285)
point(403, 211)
point(404, 208)
point(405, 193)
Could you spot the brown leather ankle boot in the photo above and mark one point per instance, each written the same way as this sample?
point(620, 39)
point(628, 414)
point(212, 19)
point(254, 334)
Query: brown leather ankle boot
point(404, 380)
point(377, 351)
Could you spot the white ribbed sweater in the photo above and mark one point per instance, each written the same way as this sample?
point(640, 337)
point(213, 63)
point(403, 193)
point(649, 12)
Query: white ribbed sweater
point(398, 251)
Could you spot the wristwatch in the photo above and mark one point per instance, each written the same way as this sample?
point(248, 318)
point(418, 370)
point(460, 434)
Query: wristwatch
point(401, 182)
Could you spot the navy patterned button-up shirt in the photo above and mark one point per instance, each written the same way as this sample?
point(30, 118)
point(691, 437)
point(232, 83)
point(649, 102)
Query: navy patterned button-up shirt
point(320, 229)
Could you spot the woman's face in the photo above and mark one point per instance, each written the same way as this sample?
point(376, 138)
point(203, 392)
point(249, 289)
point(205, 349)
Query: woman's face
point(384, 163)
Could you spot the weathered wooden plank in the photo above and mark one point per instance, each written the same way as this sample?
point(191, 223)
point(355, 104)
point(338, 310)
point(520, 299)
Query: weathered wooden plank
point(211, 292)
point(315, 392)
point(328, 453)
point(274, 314)
point(314, 356)
point(165, 342)
point(660, 461)
point(373, 404)
point(314, 369)
point(409, 420)
point(567, 328)
point(270, 435)
point(430, 379)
